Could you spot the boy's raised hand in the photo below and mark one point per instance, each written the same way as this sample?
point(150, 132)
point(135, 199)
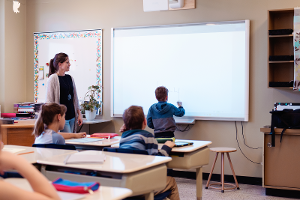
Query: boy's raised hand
point(170, 144)
point(179, 103)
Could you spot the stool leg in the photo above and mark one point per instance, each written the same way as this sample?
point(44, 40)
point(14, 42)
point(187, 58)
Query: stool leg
point(236, 183)
point(222, 171)
point(212, 169)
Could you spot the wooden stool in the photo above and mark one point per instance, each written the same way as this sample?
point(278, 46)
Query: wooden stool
point(222, 150)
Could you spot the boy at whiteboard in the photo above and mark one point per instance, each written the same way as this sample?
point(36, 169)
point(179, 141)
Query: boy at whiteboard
point(160, 115)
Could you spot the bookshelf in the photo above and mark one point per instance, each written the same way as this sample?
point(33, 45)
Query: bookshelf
point(281, 51)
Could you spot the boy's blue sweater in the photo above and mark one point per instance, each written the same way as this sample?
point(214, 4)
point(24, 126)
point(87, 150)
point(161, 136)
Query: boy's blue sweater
point(160, 117)
point(143, 140)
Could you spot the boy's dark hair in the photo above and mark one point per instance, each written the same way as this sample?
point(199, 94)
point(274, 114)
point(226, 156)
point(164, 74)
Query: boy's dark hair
point(161, 93)
point(46, 116)
point(133, 117)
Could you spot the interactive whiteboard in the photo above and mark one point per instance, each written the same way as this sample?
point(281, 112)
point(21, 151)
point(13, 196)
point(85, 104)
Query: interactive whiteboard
point(84, 49)
point(204, 65)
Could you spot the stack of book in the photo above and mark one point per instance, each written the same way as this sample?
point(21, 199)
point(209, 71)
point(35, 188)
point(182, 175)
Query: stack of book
point(26, 109)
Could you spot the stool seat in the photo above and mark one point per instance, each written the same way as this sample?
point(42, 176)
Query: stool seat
point(223, 149)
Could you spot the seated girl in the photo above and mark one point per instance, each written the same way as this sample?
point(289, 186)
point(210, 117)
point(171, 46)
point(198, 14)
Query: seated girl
point(52, 119)
point(42, 188)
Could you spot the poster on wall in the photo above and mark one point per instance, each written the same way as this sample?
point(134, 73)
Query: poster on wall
point(84, 49)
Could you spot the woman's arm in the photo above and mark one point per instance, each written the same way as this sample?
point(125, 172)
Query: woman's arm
point(42, 189)
point(79, 117)
point(72, 135)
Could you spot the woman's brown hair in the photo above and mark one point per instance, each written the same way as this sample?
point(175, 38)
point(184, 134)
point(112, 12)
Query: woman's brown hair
point(46, 116)
point(58, 58)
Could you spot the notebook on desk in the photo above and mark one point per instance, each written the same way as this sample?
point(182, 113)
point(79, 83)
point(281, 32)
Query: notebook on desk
point(85, 140)
point(85, 157)
point(183, 143)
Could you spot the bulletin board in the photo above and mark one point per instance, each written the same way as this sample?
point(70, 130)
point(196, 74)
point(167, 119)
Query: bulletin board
point(84, 49)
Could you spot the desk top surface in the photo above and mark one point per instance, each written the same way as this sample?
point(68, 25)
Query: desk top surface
point(103, 143)
point(198, 144)
point(32, 154)
point(104, 192)
point(279, 130)
point(28, 123)
point(115, 162)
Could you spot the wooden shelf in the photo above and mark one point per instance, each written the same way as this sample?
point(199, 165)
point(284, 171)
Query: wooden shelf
point(280, 71)
point(274, 36)
point(291, 61)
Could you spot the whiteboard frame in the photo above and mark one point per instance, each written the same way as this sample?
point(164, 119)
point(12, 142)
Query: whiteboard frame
point(99, 52)
point(247, 51)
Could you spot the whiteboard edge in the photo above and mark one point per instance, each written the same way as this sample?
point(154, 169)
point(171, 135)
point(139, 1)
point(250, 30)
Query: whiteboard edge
point(112, 74)
point(247, 52)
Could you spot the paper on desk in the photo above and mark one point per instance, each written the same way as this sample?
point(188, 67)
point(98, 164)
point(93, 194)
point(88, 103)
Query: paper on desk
point(70, 196)
point(12, 150)
point(86, 157)
point(85, 140)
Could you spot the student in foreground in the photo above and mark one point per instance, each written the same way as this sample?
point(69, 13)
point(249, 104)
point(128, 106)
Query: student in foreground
point(42, 189)
point(135, 137)
point(160, 115)
point(52, 117)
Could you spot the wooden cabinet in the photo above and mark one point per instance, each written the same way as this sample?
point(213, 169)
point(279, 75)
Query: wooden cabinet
point(281, 72)
point(19, 133)
point(281, 163)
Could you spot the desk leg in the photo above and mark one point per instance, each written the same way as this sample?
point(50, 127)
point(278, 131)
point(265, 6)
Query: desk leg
point(199, 183)
point(149, 196)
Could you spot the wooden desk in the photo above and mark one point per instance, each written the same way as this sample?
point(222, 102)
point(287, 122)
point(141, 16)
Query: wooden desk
point(190, 157)
point(142, 174)
point(104, 193)
point(281, 163)
point(19, 133)
point(38, 153)
point(99, 145)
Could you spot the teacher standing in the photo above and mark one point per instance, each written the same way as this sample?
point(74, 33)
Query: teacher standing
point(61, 89)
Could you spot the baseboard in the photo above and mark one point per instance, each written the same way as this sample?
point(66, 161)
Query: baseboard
point(217, 177)
point(283, 193)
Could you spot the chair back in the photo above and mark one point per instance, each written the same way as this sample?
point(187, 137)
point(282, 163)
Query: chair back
point(121, 150)
point(55, 146)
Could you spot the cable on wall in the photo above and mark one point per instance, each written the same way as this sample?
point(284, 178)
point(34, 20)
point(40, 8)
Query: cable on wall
point(236, 137)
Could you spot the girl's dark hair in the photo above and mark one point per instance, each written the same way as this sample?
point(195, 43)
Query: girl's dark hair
point(58, 58)
point(133, 117)
point(46, 116)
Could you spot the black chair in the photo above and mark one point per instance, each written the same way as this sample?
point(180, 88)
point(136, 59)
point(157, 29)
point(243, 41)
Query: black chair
point(120, 150)
point(55, 146)
point(143, 152)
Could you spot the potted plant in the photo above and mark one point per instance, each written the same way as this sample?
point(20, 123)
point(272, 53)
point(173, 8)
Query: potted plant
point(90, 104)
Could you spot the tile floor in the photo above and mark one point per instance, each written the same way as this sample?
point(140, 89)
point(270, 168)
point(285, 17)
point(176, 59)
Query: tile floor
point(187, 191)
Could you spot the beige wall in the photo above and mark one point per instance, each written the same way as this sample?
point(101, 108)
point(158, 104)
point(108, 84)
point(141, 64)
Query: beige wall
point(67, 15)
point(2, 55)
point(13, 79)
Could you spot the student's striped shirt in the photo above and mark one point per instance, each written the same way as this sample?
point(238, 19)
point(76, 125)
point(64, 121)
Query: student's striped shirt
point(143, 140)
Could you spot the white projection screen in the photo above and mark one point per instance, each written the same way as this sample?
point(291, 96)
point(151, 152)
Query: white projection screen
point(204, 65)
